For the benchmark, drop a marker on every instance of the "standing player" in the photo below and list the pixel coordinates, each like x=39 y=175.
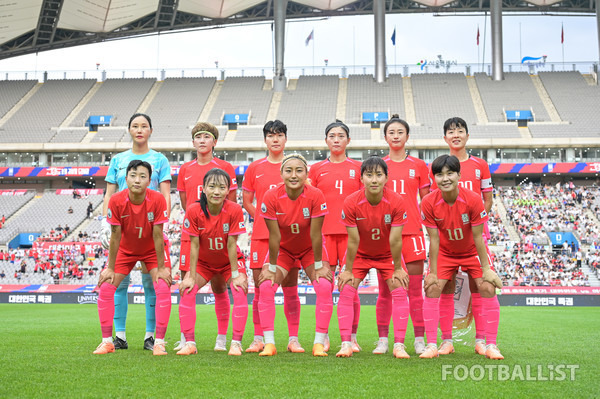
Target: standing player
x=454 y=218
x=374 y=218
x=140 y=130
x=262 y=175
x=189 y=186
x=213 y=225
x=294 y=212
x=408 y=177
x=337 y=177
x=475 y=176
x=136 y=215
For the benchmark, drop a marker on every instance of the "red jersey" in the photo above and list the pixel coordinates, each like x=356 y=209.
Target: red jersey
x=474 y=175
x=336 y=181
x=454 y=223
x=294 y=216
x=137 y=221
x=406 y=178
x=374 y=222
x=260 y=177
x=214 y=231
x=191 y=176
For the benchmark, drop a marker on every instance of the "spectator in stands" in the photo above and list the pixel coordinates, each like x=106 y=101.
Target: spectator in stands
x=70 y=210
x=90 y=210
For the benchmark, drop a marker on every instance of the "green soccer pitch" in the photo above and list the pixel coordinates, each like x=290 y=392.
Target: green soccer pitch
x=46 y=351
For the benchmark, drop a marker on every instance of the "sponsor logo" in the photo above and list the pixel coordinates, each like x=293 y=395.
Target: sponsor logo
x=258 y=176
x=125 y=216
x=87 y=299
x=357 y=219
x=323 y=174
x=188 y=177
x=280 y=213
x=209 y=300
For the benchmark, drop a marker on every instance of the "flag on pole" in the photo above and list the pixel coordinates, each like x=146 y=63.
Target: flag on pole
x=394 y=37
x=562 y=34
x=478 y=35
x=310 y=37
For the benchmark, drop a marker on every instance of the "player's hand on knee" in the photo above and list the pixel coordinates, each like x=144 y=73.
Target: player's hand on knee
x=266 y=275
x=402 y=278
x=165 y=275
x=240 y=282
x=431 y=281
x=106 y=276
x=325 y=273
x=344 y=278
x=186 y=284
x=491 y=277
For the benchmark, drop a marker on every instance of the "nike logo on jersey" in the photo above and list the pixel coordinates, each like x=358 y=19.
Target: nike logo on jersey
x=260 y=175
x=438 y=220
x=189 y=177
x=323 y=174
x=279 y=213
x=125 y=216
x=360 y=219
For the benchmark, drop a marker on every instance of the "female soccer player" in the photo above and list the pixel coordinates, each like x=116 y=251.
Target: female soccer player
x=294 y=213
x=136 y=216
x=140 y=130
x=475 y=176
x=189 y=186
x=454 y=218
x=337 y=177
x=213 y=225
x=374 y=218
x=408 y=177
x=262 y=175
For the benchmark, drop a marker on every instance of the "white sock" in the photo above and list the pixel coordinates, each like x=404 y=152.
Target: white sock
x=148 y=335
x=353 y=337
x=346 y=342
x=107 y=340
x=159 y=341
x=383 y=339
x=269 y=337
x=419 y=339
x=221 y=337
x=182 y=339
x=259 y=338
x=191 y=342
x=291 y=339
x=121 y=334
x=448 y=340
x=320 y=338
x=236 y=342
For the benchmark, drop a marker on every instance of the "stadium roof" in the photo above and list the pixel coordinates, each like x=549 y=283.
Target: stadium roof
x=30 y=26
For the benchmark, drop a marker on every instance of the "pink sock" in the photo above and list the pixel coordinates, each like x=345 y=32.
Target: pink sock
x=106 y=308
x=324 y=307
x=163 y=308
x=291 y=309
x=345 y=310
x=431 y=316
x=240 y=313
x=400 y=313
x=356 y=313
x=187 y=314
x=446 y=315
x=222 y=309
x=490 y=312
x=255 y=316
x=266 y=305
x=383 y=308
x=415 y=298
x=479 y=321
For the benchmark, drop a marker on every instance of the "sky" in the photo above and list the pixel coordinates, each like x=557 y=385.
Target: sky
x=343 y=41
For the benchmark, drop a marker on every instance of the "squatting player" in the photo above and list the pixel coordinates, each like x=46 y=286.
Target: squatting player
x=374 y=218
x=454 y=217
x=136 y=215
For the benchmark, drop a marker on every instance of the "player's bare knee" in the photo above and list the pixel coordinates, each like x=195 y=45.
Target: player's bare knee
x=487 y=290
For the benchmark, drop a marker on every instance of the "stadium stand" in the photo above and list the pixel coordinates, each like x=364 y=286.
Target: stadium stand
x=11 y=203
x=365 y=95
x=70 y=135
x=12 y=91
x=242 y=95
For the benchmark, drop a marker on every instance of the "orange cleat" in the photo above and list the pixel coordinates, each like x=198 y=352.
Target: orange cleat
x=159 y=349
x=446 y=348
x=355 y=346
x=319 y=350
x=400 y=351
x=492 y=352
x=104 y=348
x=480 y=347
x=269 y=350
x=235 y=349
x=430 y=352
x=295 y=347
x=188 y=349
x=346 y=350
x=326 y=345
x=256 y=346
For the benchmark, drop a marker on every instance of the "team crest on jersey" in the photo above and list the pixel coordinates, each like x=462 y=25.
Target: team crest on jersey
x=263 y=208
x=411 y=173
x=465 y=218
x=306 y=213
x=225 y=227
x=483 y=214
x=477 y=174
x=186 y=223
x=109 y=214
x=151 y=217
x=387 y=218
x=352 y=173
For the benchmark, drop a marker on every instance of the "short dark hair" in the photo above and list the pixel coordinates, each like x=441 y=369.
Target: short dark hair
x=139 y=114
x=136 y=163
x=395 y=119
x=275 y=126
x=450 y=161
x=337 y=123
x=371 y=164
x=455 y=122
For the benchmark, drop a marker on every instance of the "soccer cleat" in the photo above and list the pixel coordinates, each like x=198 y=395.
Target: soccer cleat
x=446 y=347
x=295 y=347
x=188 y=349
x=430 y=352
x=179 y=345
x=355 y=346
x=256 y=346
x=235 y=349
x=492 y=352
x=269 y=350
x=381 y=348
x=221 y=344
x=159 y=350
x=319 y=350
x=120 y=343
x=149 y=344
x=480 y=347
x=400 y=351
x=419 y=346
x=346 y=350
x=326 y=345
x=104 y=348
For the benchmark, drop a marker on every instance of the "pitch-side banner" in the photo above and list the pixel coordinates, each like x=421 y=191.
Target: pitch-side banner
x=67 y=246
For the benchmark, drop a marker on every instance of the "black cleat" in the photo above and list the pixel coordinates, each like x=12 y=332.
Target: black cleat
x=120 y=343
x=148 y=344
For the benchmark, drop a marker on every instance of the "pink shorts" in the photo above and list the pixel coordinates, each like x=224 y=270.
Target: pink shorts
x=336 y=245
x=413 y=248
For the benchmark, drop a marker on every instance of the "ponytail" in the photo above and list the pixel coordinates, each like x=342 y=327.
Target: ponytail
x=203 y=203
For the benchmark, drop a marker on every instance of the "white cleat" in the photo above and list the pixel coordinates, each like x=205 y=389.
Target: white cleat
x=221 y=345
x=419 y=346
x=381 y=348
